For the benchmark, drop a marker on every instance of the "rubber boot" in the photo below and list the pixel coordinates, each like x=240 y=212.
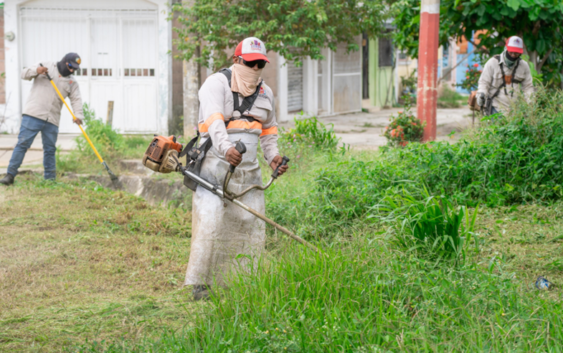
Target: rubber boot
x=201 y=292
x=7 y=180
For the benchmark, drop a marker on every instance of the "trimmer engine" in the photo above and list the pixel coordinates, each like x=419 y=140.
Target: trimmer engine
x=162 y=154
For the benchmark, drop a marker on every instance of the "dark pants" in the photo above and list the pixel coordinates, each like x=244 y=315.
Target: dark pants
x=29 y=129
x=493 y=111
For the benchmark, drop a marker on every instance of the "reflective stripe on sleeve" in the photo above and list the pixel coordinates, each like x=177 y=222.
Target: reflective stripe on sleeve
x=205 y=126
x=270 y=131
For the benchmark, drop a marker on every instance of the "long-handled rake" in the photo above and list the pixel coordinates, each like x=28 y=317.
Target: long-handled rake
x=112 y=176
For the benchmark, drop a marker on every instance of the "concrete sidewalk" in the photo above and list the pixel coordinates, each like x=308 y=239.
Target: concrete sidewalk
x=365 y=130
x=359 y=130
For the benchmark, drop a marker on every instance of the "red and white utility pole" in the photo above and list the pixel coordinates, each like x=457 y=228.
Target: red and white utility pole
x=427 y=93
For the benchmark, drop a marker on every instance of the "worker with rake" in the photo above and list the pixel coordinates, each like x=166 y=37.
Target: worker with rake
x=235 y=105
x=42 y=112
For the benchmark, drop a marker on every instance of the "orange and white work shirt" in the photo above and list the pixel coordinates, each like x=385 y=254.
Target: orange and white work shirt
x=216 y=106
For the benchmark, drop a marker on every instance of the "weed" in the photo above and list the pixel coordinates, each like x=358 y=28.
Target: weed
x=450 y=98
x=362 y=297
x=430 y=226
x=312 y=132
x=109 y=143
x=516 y=160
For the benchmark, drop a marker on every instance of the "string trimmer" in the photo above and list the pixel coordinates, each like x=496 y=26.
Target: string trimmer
x=162 y=156
x=112 y=176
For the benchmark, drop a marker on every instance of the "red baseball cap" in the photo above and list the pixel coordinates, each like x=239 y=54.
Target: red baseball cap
x=515 y=44
x=251 y=49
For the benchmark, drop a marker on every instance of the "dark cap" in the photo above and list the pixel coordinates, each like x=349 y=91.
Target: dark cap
x=73 y=60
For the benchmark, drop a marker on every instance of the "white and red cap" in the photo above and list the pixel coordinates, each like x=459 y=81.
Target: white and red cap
x=251 y=49
x=515 y=44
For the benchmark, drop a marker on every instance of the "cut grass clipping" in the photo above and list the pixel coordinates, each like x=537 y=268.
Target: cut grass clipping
x=81 y=262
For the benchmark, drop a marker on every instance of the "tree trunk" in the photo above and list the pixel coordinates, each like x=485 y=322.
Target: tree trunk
x=191 y=100
x=191 y=87
x=534 y=59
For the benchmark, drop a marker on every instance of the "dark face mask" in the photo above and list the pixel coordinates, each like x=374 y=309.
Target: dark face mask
x=63 y=69
x=510 y=57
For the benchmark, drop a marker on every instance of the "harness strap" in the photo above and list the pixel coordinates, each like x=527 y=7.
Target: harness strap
x=512 y=78
x=189 y=146
x=497 y=57
x=247 y=102
x=194 y=153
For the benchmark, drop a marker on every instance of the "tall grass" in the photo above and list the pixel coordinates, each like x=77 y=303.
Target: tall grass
x=311 y=132
x=364 y=297
x=430 y=226
x=449 y=98
x=112 y=146
x=517 y=159
x=368 y=294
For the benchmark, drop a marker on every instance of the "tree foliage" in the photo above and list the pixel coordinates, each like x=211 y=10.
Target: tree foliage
x=294 y=28
x=538 y=22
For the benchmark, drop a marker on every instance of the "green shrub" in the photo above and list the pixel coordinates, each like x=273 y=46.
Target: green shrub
x=312 y=132
x=405 y=127
x=102 y=135
x=518 y=159
x=450 y=98
x=472 y=75
x=430 y=226
x=110 y=144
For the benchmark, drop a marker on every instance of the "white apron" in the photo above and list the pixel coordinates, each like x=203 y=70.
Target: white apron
x=224 y=236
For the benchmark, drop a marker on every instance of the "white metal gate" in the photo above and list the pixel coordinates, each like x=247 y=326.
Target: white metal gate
x=346 y=80
x=294 y=88
x=119 y=59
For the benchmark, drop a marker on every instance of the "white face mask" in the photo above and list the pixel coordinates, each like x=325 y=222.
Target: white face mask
x=245 y=79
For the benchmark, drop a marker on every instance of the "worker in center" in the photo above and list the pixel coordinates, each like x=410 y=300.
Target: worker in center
x=235 y=104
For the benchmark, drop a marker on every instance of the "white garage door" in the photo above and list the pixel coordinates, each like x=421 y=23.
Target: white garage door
x=119 y=59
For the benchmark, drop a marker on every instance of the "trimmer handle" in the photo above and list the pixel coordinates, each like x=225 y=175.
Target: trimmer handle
x=284 y=162
x=241 y=148
x=46 y=73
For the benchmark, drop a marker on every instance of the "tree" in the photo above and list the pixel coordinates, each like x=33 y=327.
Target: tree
x=406 y=14
x=538 y=22
x=296 y=29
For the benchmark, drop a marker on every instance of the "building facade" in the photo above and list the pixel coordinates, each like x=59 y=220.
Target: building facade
x=128 y=71
x=124 y=46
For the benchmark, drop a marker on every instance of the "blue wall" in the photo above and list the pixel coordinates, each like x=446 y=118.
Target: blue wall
x=460 y=70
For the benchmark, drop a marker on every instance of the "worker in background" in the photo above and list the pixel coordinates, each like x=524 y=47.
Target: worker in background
x=502 y=78
x=225 y=237
x=42 y=112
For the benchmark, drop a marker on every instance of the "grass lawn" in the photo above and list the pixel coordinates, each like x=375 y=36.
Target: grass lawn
x=78 y=262
x=87 y=269
x=81 y=264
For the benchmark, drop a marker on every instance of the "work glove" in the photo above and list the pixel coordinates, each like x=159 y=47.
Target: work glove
x=480 y=99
